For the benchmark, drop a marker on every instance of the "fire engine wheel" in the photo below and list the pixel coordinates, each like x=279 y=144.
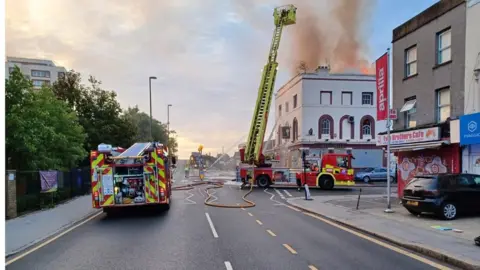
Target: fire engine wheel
x=263 y=181
x=326 y=182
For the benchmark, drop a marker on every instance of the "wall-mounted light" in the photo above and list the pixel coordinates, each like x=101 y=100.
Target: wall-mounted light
x=476 y=73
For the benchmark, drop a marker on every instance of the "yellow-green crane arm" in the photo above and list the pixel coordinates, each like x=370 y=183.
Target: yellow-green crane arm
x=282 y=16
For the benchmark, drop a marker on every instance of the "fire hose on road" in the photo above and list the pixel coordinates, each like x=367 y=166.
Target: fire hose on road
x=215 y=185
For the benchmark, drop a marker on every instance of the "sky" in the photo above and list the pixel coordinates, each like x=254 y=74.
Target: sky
x=207 y=55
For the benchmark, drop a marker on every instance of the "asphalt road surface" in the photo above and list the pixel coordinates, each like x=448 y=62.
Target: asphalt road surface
x=271 y=235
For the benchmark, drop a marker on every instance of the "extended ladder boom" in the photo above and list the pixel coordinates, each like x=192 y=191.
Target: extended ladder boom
x=283 y=16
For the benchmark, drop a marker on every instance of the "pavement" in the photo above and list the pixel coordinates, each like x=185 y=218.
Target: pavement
x=413 y=232
x=271 y=235
x=25 y=231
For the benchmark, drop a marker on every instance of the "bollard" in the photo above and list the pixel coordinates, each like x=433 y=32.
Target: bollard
x=307 y=193
x=358 y=200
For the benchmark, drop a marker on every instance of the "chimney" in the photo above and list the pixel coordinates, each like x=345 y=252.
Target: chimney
x=323 y=69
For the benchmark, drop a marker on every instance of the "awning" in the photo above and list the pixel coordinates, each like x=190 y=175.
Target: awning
x=408 y=105
x=417 y=146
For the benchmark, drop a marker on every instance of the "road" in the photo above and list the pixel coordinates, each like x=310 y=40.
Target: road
x=194 y=236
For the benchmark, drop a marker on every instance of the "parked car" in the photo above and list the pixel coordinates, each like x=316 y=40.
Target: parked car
x=445 y=195
x=375 y=174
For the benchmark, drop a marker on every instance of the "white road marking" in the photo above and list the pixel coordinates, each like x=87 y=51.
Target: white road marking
x=228 y=265
x=279 y=193
x=288 y=193
x=271 y=198
x=188 y=201
x=212 y=194
x=211 y=225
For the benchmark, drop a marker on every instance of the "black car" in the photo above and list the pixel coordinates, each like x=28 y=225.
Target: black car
x=446 y=195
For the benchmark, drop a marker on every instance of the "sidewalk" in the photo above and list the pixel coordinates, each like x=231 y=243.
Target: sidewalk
x=25 y=231
x=453 y=246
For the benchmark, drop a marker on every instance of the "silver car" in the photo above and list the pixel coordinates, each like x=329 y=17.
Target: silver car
x=376 y=174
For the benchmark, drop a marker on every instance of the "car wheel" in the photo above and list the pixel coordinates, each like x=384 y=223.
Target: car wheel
x=448 y=211
x=366 y=179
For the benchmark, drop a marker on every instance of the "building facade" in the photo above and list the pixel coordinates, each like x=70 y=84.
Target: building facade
x=470 y=134
x=324 y=110
x=41 y=72
x=428 y=61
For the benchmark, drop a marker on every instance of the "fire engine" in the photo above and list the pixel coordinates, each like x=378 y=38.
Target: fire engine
x=137 y=176
x=254 y=166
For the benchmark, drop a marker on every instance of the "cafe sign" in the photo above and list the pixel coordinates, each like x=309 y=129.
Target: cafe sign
x=411 y=136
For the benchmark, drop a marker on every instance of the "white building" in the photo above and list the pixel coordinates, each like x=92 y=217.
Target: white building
x=322 y=110
x=39 y=71
x=471 y=152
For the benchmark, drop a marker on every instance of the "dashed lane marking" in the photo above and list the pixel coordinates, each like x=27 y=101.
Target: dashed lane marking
x=271 y=233
x=52 y=239
x=243 y=209
x=228 y=265
x=290 y=248
x=250 y=214
x=311 y=267
x=288 y=193
x=380 y=243
x=259 y=222
x=211 y=225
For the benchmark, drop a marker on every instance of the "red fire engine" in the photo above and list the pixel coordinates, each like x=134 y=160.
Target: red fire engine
x=138 y=176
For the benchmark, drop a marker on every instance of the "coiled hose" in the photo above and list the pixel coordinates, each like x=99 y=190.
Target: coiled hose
x=220 y=185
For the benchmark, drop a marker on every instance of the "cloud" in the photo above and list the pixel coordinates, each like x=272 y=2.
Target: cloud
x=207 y=55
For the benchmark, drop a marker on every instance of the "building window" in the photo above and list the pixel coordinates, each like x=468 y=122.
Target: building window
x=367 y=127
x=346 y=98
x=295 y=129
x=326 y=97
x=286 y=107
x=41 y=73
x=61 y=74
x=295 y=101
x=325 y=127
x=409 y=109
x=443 y=105
x=279 y=110
x=38 y=83
x=367 y=98
x=444 y=53
x=411 y=61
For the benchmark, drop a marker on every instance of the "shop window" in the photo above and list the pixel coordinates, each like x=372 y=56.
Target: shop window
x=443 y=105
x=409 y=109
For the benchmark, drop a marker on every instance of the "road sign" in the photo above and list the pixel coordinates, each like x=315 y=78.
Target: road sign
x=393 y=114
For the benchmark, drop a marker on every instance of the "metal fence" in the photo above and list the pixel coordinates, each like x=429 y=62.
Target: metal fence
x=71 y=183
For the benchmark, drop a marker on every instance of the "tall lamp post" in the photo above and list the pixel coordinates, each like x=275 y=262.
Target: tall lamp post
x=150 y=92
x=168 y=126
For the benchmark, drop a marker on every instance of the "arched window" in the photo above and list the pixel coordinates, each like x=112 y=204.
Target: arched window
x=326 y=127
x=367 y=127
x=295 y=130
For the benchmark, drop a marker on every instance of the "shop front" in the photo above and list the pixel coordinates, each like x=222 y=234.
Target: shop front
x=470 y=142
x=422 y=151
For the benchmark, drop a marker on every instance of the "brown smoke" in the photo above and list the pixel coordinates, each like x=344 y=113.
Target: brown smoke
x=330 y=35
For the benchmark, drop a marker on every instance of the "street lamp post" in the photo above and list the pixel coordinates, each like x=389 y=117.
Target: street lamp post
x=168 y=126
x=150 y=92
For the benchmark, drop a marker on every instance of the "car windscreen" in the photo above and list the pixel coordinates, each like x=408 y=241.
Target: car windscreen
x=422 y=182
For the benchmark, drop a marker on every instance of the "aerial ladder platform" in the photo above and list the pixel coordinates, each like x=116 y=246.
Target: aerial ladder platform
x=283 y=16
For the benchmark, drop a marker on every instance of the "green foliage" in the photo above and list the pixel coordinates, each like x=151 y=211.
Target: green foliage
x=98 y=111
x=42 y=132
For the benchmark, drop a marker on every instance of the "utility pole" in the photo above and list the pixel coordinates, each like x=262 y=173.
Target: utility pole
x=150 y=94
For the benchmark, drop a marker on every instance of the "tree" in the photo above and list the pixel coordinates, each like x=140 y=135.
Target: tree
x=98 y=111
x=42 y=131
